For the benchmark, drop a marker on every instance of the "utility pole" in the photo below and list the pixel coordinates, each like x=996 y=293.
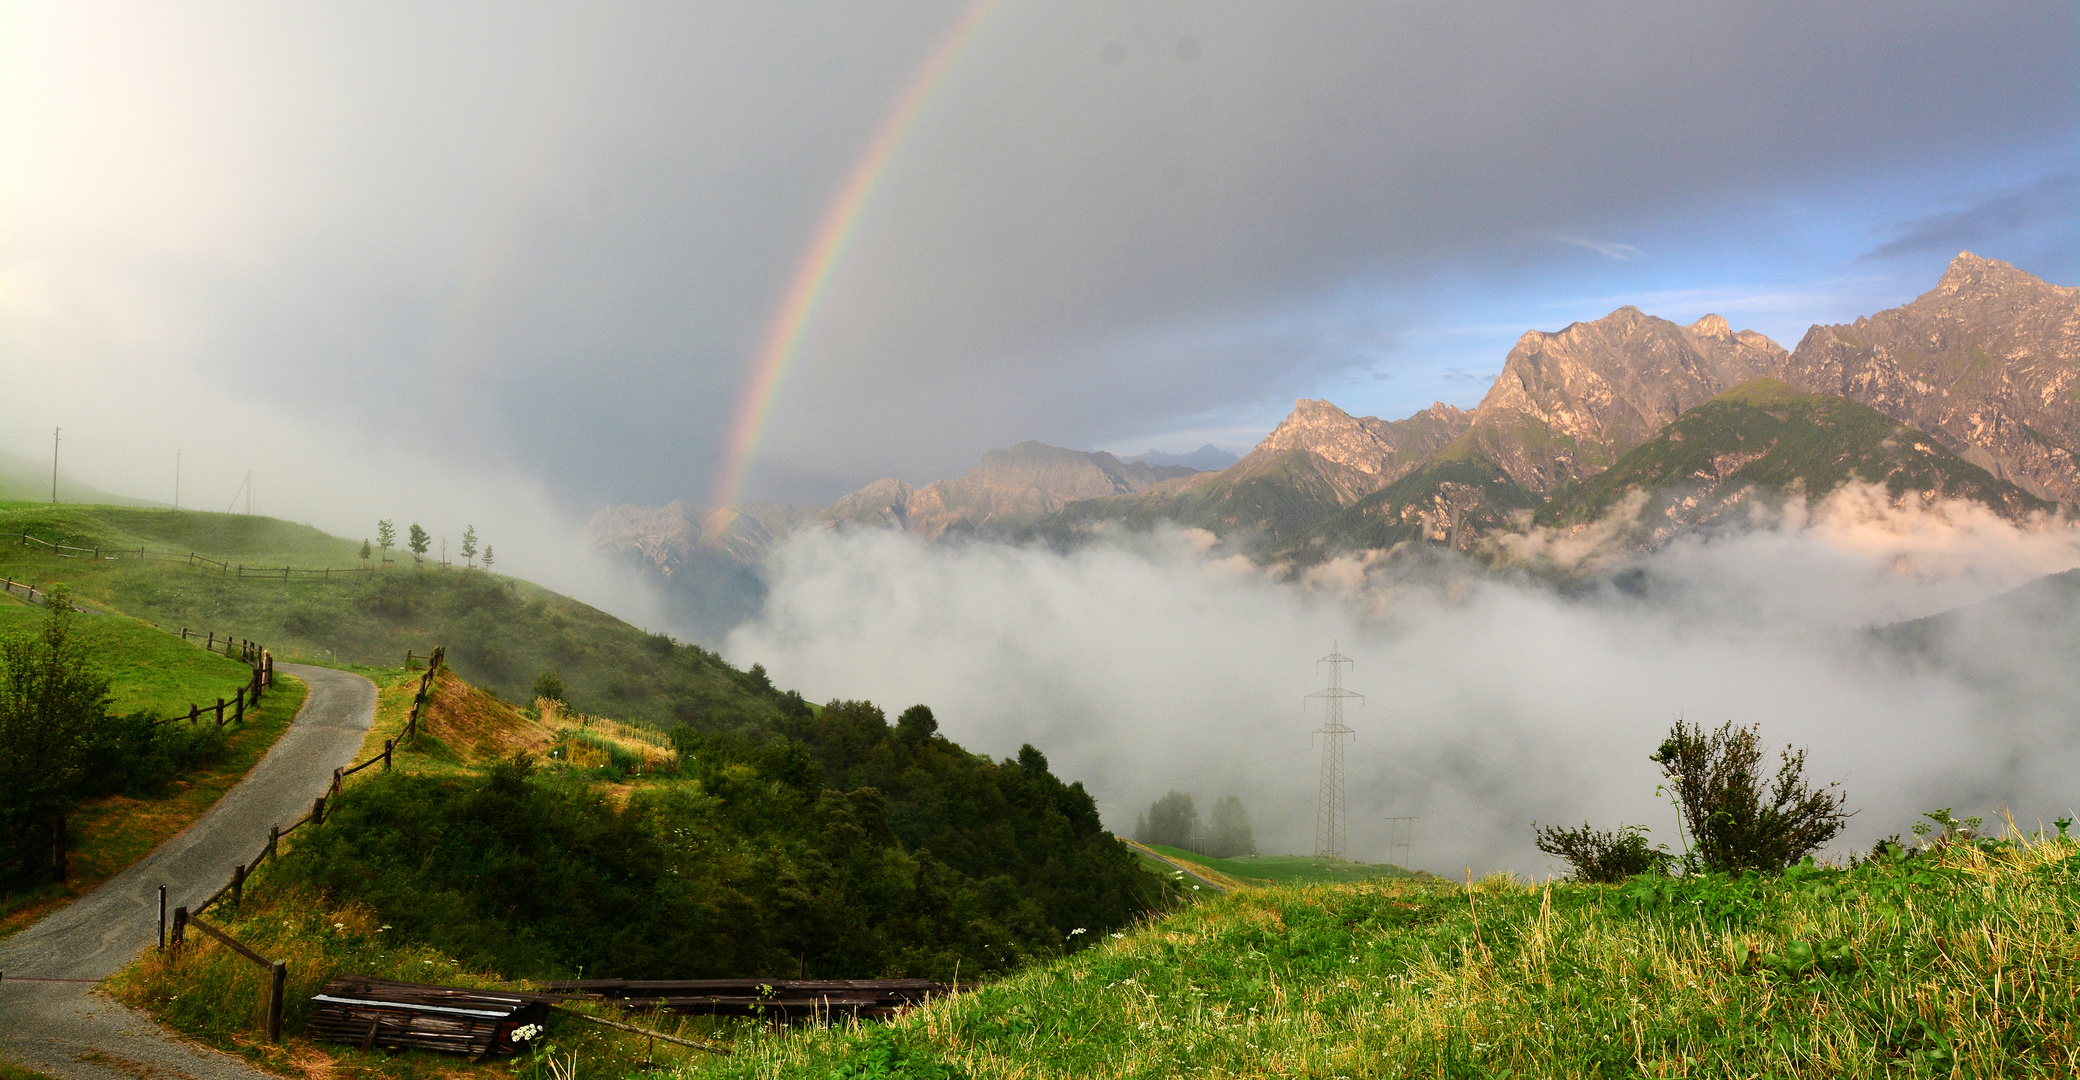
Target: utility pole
x=1401 y=834
x=54 y=465
x=1329 y=833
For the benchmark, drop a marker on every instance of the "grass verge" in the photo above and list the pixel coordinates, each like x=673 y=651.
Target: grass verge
x=1959 y=962
x=1288 y=869
x=108 y=834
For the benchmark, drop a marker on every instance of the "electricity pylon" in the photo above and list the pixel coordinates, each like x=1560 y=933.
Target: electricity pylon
x=1329 y=834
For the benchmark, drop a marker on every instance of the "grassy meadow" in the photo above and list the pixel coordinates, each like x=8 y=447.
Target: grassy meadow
x=1287 y=869
x=149 y=671
x=500 y=632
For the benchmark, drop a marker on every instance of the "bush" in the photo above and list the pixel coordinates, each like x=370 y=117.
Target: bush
x=1604 y=857
x=548 y=685
x=1738 y=820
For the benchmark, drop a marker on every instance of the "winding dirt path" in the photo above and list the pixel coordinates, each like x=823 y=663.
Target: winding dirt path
x=53 y=1021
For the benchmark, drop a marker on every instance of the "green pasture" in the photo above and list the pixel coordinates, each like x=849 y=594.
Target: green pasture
x=1288 y=869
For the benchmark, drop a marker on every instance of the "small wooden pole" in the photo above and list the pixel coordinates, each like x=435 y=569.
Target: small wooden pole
x=162 y=918
x=238 y=884
x=180 y=930
x=278 y=979
x=386 y=755
x=274 y=836
x=220 y=712
x=212 y=644
x=318 y=811
x=238 y=703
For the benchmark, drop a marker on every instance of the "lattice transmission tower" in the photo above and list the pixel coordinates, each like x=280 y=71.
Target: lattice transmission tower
x=1329 y=832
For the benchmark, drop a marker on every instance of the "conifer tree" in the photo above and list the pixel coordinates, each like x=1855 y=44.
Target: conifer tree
x=1228 y=832
x=386 y=534
x=366 y=551
x=487 y=556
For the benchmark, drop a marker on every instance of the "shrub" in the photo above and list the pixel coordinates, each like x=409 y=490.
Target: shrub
x=1739 y=819
x=1599 y=856
x=548 y=685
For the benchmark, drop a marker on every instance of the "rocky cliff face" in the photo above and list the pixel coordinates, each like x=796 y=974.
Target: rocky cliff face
x=1988 y=362
x=1568 y=404
x=1363 y=453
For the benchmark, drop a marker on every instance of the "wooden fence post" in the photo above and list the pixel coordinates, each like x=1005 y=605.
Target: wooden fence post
x=278 y=978
x=211 y=645
x=162 y=918
x=318 y=811
x=220 y=712
x=274 y=836
x=238 y=712
x=386 y=755
x=194 y=714
x=238 y=884
x=180 y=930
x=338 y=781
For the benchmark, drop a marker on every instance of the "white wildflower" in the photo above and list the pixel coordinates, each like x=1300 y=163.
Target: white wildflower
x=526 y=1031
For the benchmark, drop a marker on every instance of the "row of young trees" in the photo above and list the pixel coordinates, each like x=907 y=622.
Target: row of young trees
x=1734 y=815
x=418 y=540
x=1173 y=821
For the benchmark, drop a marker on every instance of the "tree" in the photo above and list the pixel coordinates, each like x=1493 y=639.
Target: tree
x=469 y=545
x=487 y=556
x=916 y=726
x=386 y=534
x=1737 y=817
x=418 y=542
x=366 y=551
x=1228 y=833
x=1603 y=857
x=1174 y=822
x=549 y=685
x=51 y=703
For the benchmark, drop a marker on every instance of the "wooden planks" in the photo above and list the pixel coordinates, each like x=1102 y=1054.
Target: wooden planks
x=775 y=998
x=375 y=1013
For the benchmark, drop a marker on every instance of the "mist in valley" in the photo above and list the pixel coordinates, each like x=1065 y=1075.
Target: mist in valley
x=1493 y=698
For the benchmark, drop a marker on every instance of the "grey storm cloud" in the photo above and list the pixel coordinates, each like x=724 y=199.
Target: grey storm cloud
x=548 y=239
x=2051 y=200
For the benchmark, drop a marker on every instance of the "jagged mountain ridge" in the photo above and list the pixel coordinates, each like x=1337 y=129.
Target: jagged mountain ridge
x=1007 y=489
x=1988 y=362
x=1764 y=440
x=1568 y=403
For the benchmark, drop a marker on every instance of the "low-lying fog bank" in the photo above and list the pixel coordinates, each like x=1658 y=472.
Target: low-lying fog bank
x=1145 y=662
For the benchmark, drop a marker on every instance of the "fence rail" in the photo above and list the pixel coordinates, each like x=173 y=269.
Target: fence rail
x=235 y=887
x=235 y=571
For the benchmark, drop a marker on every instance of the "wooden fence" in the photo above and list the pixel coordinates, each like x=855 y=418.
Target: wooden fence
x=234 y=571
x=262 y=679
x=235 y=887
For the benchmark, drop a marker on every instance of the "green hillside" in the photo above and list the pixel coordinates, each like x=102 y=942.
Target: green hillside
x=29 y=481
x=1453 y=499
x=1289 y=869
x=500 y=632
x=1953 y=962
x=1271 y=500
x=1764 y=437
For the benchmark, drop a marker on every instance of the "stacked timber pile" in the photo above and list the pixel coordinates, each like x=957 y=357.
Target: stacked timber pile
x=377 y=1013
x=776 y=999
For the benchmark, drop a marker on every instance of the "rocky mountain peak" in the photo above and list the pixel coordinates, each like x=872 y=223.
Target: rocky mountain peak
x=1712 y=326
x=1363 y=444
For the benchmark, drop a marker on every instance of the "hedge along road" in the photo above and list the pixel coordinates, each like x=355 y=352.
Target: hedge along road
x=51 y=1021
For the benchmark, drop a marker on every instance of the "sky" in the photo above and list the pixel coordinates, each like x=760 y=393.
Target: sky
x=512 y=262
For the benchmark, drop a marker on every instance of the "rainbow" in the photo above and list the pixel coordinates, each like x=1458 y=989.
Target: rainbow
x=814 y=271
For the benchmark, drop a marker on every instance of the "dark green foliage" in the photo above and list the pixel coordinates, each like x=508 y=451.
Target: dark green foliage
x=548 y=685
x=59 y=743
x=1013 y=827
x=1173 y=822
x=51 y=702
x=1599 y=856
x=1229 y=834
x=756 y=869
x=418 y=539
x=1740 y=819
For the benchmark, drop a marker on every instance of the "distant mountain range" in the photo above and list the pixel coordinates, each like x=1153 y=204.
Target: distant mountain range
x=1970 y=391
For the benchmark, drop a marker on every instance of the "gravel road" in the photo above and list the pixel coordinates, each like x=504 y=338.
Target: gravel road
x=53 y=1021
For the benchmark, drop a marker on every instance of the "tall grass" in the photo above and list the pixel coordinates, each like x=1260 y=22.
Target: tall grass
x=1960 y=962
